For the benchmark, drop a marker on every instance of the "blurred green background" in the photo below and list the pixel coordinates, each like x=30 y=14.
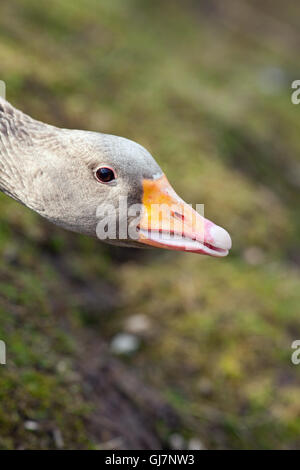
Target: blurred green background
x=206 y=87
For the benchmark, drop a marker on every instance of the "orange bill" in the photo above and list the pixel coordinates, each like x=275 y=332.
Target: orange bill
x=168 y=222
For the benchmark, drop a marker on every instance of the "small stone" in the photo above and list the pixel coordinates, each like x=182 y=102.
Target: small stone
x=176 y=441
x=124 y=343
x=31 y=425
x=195 y=444
x=58 y=439
x=62 y=367
x=137 y=324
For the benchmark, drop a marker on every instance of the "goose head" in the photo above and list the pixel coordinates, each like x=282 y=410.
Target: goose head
x=99 y=185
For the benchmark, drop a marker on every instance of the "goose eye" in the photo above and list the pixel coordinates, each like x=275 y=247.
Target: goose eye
x=105 y=174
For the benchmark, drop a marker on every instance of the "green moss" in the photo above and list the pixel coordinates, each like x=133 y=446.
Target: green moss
x=174 y=78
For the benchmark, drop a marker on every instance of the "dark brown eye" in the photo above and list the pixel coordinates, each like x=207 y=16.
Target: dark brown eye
x=105 y=174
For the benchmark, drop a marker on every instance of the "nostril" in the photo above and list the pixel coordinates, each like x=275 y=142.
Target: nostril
x=177 y=215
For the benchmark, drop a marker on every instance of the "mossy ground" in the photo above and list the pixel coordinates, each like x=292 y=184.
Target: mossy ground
x=207 y=90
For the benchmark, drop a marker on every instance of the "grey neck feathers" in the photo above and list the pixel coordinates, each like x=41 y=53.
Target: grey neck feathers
x=22 y=140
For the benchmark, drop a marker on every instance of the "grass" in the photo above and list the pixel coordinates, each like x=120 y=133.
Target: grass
x=208 y=92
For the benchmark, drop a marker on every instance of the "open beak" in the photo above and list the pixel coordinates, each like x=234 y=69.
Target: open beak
x=168 y=222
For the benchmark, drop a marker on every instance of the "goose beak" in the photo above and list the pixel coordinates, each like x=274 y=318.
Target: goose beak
x=168 y=222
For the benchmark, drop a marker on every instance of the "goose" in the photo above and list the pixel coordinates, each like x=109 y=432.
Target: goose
x=76 y=180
